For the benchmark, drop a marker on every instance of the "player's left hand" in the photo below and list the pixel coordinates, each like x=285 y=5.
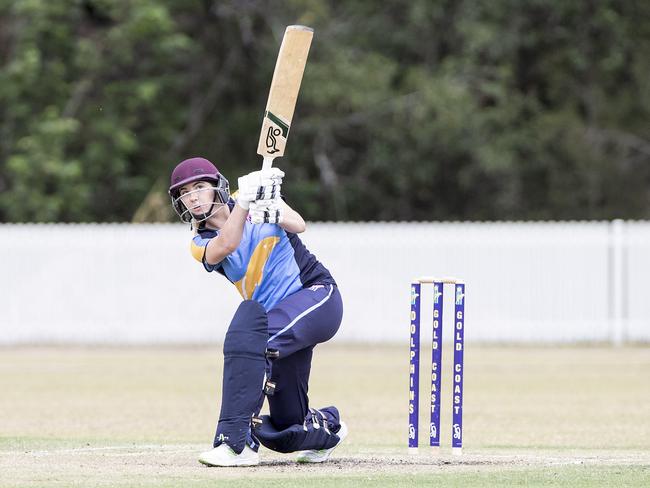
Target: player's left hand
x=265 y=211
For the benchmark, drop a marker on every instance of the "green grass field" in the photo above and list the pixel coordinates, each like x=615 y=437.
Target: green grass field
x=533 y=416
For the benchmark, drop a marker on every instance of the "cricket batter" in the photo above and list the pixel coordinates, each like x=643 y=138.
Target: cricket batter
x=291 y=303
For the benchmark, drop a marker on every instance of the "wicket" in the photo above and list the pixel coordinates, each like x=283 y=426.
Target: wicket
x=436 y=363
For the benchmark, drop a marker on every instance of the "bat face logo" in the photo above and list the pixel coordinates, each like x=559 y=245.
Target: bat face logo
x=271 y=140
x=275 y=132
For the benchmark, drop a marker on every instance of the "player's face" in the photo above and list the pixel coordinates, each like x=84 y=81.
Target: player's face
x=198 y=197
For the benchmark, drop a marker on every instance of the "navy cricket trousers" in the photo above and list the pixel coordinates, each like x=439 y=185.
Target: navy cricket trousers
x=296 y=324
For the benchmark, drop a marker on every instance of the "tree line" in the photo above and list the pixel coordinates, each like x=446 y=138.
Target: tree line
x=409 y=110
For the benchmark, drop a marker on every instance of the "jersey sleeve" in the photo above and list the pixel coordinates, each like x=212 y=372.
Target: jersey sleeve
x=197 y=248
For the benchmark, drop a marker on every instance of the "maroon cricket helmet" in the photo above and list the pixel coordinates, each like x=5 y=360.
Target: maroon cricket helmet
x=196 y=169
x=191 y=170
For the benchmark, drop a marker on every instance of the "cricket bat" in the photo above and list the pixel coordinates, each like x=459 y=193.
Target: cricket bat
x=285 y=86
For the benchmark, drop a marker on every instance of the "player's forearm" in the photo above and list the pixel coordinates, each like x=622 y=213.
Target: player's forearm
x=229 y=236
x=293 y=225
x=292 y=221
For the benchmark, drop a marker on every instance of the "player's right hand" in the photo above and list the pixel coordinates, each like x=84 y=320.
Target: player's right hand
x=265 y=212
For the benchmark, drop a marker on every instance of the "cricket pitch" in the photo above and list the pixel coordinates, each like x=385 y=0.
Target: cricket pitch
x=139 y=416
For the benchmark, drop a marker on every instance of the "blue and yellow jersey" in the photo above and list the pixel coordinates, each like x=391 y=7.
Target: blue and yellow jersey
x=269 y=264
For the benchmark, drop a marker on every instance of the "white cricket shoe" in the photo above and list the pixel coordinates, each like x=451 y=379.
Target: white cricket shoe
x=322 y=455
x=223 y=455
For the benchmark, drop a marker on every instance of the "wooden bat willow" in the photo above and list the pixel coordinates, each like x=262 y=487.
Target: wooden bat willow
x=285 y=86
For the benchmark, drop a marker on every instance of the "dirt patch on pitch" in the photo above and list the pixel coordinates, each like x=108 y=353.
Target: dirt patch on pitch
x=423 y=463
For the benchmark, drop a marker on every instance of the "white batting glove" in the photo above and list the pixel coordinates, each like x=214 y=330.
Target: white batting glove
x=247 y=188
x=273 y=175
x=265 y=212
x=260 y=185
x=265 y=192
x=270 y=184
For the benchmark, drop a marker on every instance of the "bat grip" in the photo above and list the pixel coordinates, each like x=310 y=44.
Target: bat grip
x=267 y=163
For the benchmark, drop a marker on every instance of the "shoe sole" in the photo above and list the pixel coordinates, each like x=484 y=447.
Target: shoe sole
x=306 y=460
x=230 y=465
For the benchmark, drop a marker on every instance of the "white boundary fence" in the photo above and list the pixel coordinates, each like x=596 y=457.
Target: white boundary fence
x=526 y=282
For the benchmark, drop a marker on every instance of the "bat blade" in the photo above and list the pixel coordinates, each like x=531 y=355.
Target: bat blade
x=283 y=94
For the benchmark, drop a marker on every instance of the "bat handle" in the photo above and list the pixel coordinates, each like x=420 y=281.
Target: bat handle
x=267 y=163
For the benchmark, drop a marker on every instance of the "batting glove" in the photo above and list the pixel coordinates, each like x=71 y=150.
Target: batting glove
x=260 y=185
x=265 y=212
x=273 y=175
x=247 y=189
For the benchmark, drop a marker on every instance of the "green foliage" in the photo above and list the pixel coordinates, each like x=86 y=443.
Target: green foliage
x=419 y=110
